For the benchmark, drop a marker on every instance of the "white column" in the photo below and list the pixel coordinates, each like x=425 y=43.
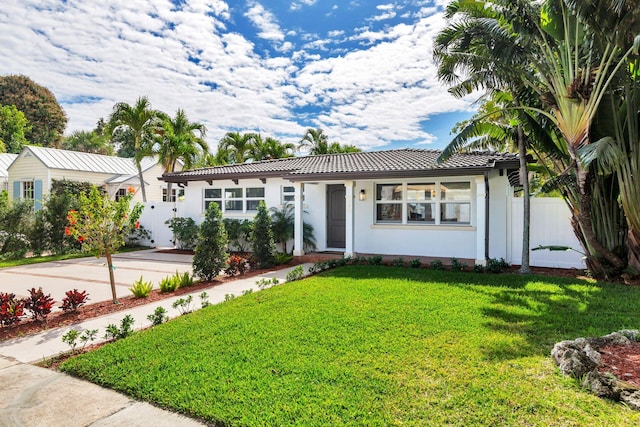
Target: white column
x=349 y=218
x=480 y=220
x=298 y=247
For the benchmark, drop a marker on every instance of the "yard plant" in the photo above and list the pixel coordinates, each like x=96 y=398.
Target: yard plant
x=376 y=346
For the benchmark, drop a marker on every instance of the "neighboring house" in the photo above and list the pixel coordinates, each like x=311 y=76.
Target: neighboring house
x=396 y=202
x=5 y=160
x=31 y=173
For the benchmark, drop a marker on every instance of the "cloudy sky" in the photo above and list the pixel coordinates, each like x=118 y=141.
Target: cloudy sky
x=361 y=70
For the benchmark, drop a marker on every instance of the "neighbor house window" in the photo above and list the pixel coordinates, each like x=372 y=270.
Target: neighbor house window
x=423 y=203
x=288 y=194
x=28 y=190
x=122 y=192
x=235 y=200
x=175 y=194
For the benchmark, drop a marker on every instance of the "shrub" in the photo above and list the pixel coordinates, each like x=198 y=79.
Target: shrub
x=71 y=338
x=229 y=297
x=415 y=263
x=283 y=258
x=183 y=305
x=114 y=332
x=16 y=218
x=169 y=284
x=295 y=274
x=478 y=268
x=375 y=260
x=496 y=265
x=261 y=238
x=73 y=300
x=159 y=316
x=265 y=283
x=38 y=304
x=436 y=264
x=184 y=279
x=457 y=265
x=141 y=289
x=236 y=265
x=204 y=299
x=11 y=309
x=185 y=231
x=211 y=250
x=137 y=235
x=238 y=231
x=398 y=262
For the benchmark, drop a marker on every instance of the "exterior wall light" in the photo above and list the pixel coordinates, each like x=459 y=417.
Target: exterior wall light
x=363 y=195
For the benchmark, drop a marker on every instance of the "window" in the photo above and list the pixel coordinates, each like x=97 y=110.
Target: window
x=122 y=192
x=28 y=190
x=174 y=195
x=234 y=200
x=424 y=203
x=288 y=194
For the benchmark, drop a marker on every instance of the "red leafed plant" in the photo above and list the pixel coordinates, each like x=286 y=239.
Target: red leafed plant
x=74 y=300
x=38 y=304
x=236 y=264
x=11 y=309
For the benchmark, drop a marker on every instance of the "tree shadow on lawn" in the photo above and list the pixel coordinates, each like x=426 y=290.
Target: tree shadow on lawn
x=529 y=313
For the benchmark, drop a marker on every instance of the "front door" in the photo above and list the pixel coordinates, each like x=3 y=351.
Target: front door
x=336 y=216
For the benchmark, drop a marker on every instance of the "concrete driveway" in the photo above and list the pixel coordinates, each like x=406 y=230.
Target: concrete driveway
x=92 y=275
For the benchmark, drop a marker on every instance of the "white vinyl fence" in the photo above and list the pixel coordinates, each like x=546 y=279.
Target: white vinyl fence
x=153 y=218
x=550 y=225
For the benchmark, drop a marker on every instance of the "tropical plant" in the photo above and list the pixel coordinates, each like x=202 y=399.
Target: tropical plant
x=11 y=309
x=88 y=142
x=169 y=284
x=238 y=231
x=211 y=249
x=180 y=140
x=142 y=124
x=141 y=288
x=183 y=305
x=185 y=231
x=158 y=316
x=102 y=224
x=269 y=148
x=315 y=142
x=282 y=222
x=236 y=147
x=38 y=304
x=113 y=332
x=73 y=300
x=262 y=243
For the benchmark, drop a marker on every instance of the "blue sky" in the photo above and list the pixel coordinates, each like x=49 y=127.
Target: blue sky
x=360 y=70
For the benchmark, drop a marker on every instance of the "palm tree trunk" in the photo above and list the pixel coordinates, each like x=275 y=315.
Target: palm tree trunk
x=169 y=188
x=633 y=248
x=112 y=279
x=526 y=220
x=144 y=192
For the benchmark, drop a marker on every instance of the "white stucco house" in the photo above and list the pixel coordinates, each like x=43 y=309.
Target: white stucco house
x=397 y=202
x=31 y=173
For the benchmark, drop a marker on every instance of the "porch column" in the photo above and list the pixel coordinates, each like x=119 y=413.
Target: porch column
x=349 y=218
x=481 y=230
x=298 y=247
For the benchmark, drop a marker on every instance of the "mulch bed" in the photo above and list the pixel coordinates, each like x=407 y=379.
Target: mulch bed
x=623 y=361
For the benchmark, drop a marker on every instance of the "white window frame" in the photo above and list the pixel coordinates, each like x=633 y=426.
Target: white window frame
x=120 y=192
x=287 y=194
x=435 y=200
x=227 y=195
x=30 y=187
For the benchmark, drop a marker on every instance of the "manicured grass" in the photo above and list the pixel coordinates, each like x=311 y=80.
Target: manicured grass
x=376 y=346
x=48 y=258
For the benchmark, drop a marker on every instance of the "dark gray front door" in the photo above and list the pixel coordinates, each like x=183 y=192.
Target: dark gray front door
x=336 y=206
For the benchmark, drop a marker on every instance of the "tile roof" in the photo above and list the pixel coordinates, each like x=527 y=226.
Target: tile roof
x=5 y=160
x=371 y=164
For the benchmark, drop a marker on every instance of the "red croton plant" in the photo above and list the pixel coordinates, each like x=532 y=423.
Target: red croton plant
x=102 y=224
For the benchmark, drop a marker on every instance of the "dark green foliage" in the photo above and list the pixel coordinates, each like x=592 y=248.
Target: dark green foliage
x=457 y=265
x=375 y=260
x=185 y=231
x=295 y=274
x=496 y=266
x=211 y=249
x=436 y=264
x=398 y=262
x=415 y=263
x=282 y=224
x=38 y=304
x=283 y=258
x=158 y=317
x=262 y=243
x=40 y=107
x=113 y=332
x=478 y=268
x=183 y=305
x=16 y=219
x=238 y=231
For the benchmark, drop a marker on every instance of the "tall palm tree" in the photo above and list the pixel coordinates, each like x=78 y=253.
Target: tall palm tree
x=181 y=140
x=270 y=148
x=315 y=141
x=237 y=146
x=142 y=123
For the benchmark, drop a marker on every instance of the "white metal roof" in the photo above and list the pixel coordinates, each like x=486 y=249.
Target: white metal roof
x=5 y=160
x=84 y=162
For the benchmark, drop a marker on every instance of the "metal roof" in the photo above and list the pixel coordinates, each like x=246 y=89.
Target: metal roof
x=5 y=160
x=363 y=165
x=121 y=167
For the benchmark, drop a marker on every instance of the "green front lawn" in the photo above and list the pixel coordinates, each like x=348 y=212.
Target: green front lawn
x=376 y=346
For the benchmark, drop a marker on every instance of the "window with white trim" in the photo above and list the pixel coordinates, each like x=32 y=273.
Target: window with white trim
x=288 y=194
x=438 y=203
x=234 y=200
x=28 y=190
x=122 y=192
x=174 y=194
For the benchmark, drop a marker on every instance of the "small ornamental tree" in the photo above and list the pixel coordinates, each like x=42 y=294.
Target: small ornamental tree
x=211 y=248
x=262 y=242
x=102 y=224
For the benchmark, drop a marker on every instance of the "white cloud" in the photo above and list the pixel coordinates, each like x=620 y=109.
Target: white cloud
x=265 y=21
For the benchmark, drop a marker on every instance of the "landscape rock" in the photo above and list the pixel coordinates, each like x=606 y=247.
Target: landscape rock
x=602 y=385
x=631 y=399
x=575 y=358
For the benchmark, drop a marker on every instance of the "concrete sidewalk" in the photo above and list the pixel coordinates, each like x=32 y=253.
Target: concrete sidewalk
x=35 y=396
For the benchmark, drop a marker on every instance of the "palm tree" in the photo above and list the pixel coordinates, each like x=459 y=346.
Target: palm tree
x=316 y=142
x=142 y=123
x=490 y=59
x=237 y=146
x=181 y=140
x=270 y=148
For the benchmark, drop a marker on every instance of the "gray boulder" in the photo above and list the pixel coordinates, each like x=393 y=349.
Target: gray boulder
x=575 y=358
